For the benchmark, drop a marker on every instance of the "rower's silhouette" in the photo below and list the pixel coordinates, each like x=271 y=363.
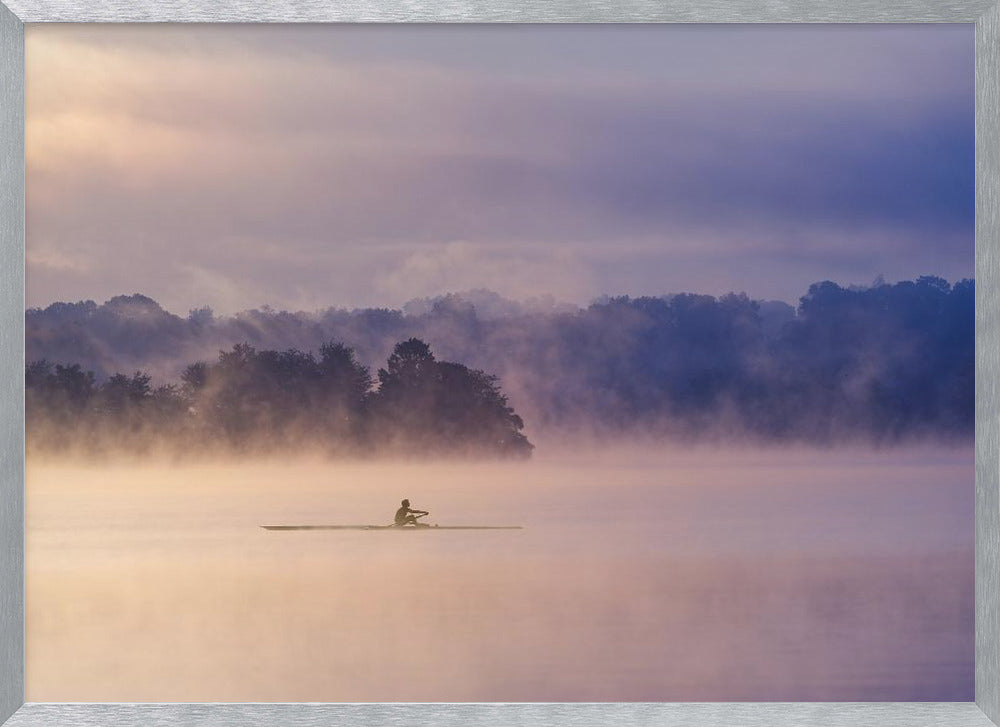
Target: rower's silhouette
x=406 y=516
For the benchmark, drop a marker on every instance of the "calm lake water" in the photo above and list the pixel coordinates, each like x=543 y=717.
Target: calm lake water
x=640 y=575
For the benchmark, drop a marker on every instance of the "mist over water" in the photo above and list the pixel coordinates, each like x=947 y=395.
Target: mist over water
x=642 y=573
x=365 y=264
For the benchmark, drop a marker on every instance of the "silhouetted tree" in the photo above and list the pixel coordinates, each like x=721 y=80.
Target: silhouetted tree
x=280 y=398
x=882 y=363
x=425 y=404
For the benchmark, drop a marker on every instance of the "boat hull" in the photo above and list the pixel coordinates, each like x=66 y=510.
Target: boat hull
x=397 y=528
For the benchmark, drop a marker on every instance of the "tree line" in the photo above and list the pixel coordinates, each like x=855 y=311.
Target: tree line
x=278 y=401
x=882 y=364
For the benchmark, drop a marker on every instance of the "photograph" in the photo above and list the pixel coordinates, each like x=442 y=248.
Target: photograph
x=499 y=363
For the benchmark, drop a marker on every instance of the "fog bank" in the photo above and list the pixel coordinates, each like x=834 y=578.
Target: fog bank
x=881 y=364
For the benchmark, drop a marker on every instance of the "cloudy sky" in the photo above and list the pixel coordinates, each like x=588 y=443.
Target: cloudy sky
x=310 y=166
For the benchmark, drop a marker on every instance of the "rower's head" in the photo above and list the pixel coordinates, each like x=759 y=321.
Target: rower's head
x=405 y=503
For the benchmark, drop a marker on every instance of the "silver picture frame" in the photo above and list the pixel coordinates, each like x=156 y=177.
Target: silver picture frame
x=985 y=14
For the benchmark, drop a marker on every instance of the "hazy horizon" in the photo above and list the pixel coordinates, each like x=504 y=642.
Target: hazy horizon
x=505 y=305
x=475 y=296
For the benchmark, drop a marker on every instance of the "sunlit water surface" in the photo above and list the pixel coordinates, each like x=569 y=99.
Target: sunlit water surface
x=639 y=575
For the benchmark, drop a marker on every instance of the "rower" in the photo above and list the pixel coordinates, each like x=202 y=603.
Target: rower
x=406 y=516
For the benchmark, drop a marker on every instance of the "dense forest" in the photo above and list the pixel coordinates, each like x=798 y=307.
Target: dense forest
x=278 y=401
x=882 y=364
